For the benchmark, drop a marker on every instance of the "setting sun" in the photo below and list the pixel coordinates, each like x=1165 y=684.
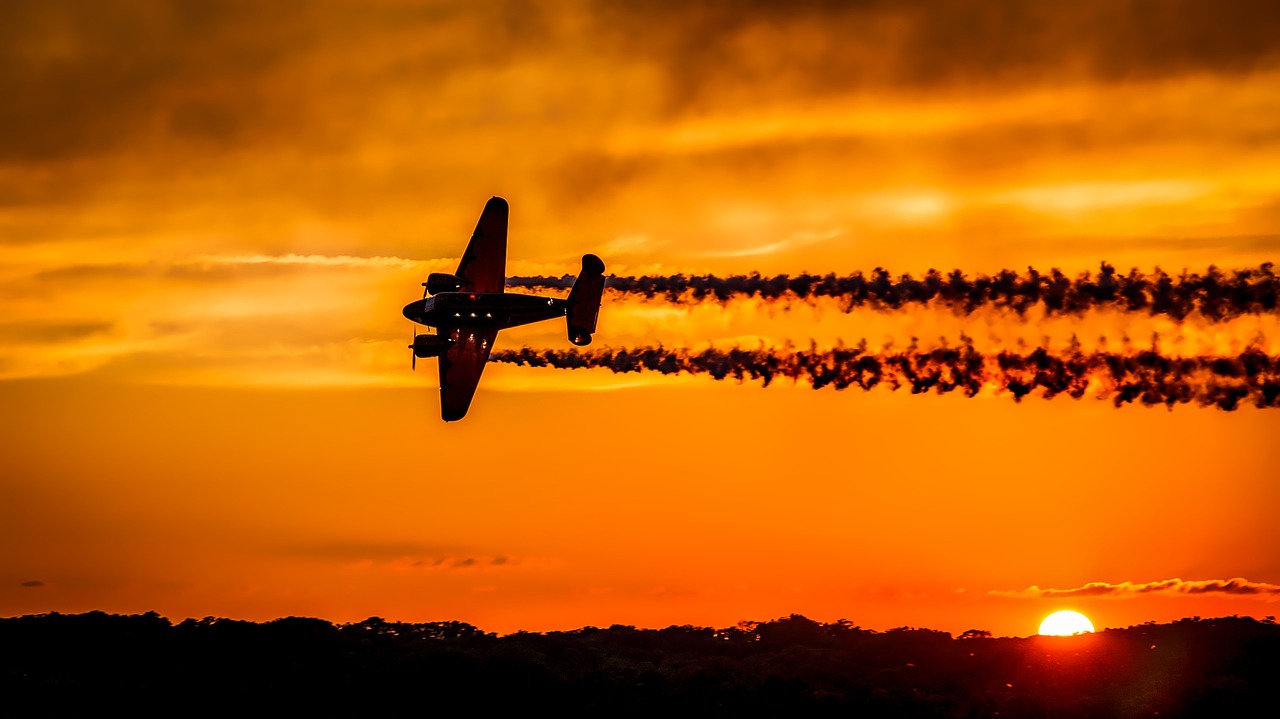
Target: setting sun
x=1065 y=623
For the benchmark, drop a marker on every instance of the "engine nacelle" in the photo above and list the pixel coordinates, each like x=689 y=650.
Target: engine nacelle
x=438 y=282
x=430 y=346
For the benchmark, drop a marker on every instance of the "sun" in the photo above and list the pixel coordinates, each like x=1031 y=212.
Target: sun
x=1065 y=623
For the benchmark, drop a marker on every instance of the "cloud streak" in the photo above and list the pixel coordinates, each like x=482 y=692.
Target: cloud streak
x=309 y=260
x=1144 y=377
x=1216 y=295
x=49 y=332
x=1237 y=586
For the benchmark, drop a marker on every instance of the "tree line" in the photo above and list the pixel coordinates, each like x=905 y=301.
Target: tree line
x=785 y=667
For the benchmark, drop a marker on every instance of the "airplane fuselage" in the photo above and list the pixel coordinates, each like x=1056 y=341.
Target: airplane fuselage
x=500 y=310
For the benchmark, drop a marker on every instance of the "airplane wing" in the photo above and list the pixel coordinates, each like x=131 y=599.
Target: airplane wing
x=484 y=264
x=461 y=366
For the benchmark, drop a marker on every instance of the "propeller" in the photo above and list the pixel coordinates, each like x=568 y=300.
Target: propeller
x=413 y=355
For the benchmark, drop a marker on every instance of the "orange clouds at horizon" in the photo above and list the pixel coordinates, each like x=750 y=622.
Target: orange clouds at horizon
x=211 y=215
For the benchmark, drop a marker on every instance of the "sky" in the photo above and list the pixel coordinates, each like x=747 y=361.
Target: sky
x=211 y=214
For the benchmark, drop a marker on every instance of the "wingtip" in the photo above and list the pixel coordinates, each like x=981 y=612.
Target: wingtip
x=496 y=201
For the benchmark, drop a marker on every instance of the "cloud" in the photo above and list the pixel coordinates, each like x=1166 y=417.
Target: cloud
x=795 y=241
x=400 y=555
x=33 y=584
x=352 y=551
x=1237 y=586
x=630 y=245
x=449 y=563
x=187 y=122
x=142 y=67
x=216 y=76
x=310 y=260
x=232 y=266
x=816 y=47
x=49 y=332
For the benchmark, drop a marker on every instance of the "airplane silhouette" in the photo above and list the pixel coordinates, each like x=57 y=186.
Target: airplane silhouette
x=468 y=309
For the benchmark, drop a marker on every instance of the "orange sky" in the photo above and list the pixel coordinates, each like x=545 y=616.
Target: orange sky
x=211 y=215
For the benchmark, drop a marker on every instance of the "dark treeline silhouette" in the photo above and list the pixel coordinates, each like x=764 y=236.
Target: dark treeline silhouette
x=1147 y=376
x=793 y=666
x=1216 y=295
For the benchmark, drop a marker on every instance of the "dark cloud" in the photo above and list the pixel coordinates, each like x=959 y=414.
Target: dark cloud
x=41 y=332
x=1216 y=295
x=82 y=79
x=89 y=272
x=765 y=49
x=590 y=177
x=444 y=562
x=1237 y=586
x=982 y=149
x=448 y=562
x=85 y=78
x=1144 y=377
x=423 y=562
x=595 y=176
x=33 y=584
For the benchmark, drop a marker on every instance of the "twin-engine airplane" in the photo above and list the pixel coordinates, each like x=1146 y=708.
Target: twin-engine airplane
x=469 y=307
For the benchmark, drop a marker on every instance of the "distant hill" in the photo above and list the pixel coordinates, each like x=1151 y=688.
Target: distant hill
x=792 y=666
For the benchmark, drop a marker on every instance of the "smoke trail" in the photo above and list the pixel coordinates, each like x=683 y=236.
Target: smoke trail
x=1216 y=295
x=1147 y=377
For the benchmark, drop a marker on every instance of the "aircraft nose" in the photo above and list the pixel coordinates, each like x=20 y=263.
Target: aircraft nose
x=411 y=310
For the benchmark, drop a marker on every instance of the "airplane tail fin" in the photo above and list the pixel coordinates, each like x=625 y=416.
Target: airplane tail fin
x=584 y=300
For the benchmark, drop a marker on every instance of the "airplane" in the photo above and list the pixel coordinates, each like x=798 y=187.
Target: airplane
x=469 y=307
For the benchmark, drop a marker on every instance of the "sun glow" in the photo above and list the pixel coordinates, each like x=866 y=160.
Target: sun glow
x=1065 y=623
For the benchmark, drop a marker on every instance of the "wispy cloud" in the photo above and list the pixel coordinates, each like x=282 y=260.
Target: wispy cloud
x=49 y=331
x=450 y=563
x=1236 y=586
x=795 y=241
x=400 y=555
x=315 y=260
x=631 y=245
